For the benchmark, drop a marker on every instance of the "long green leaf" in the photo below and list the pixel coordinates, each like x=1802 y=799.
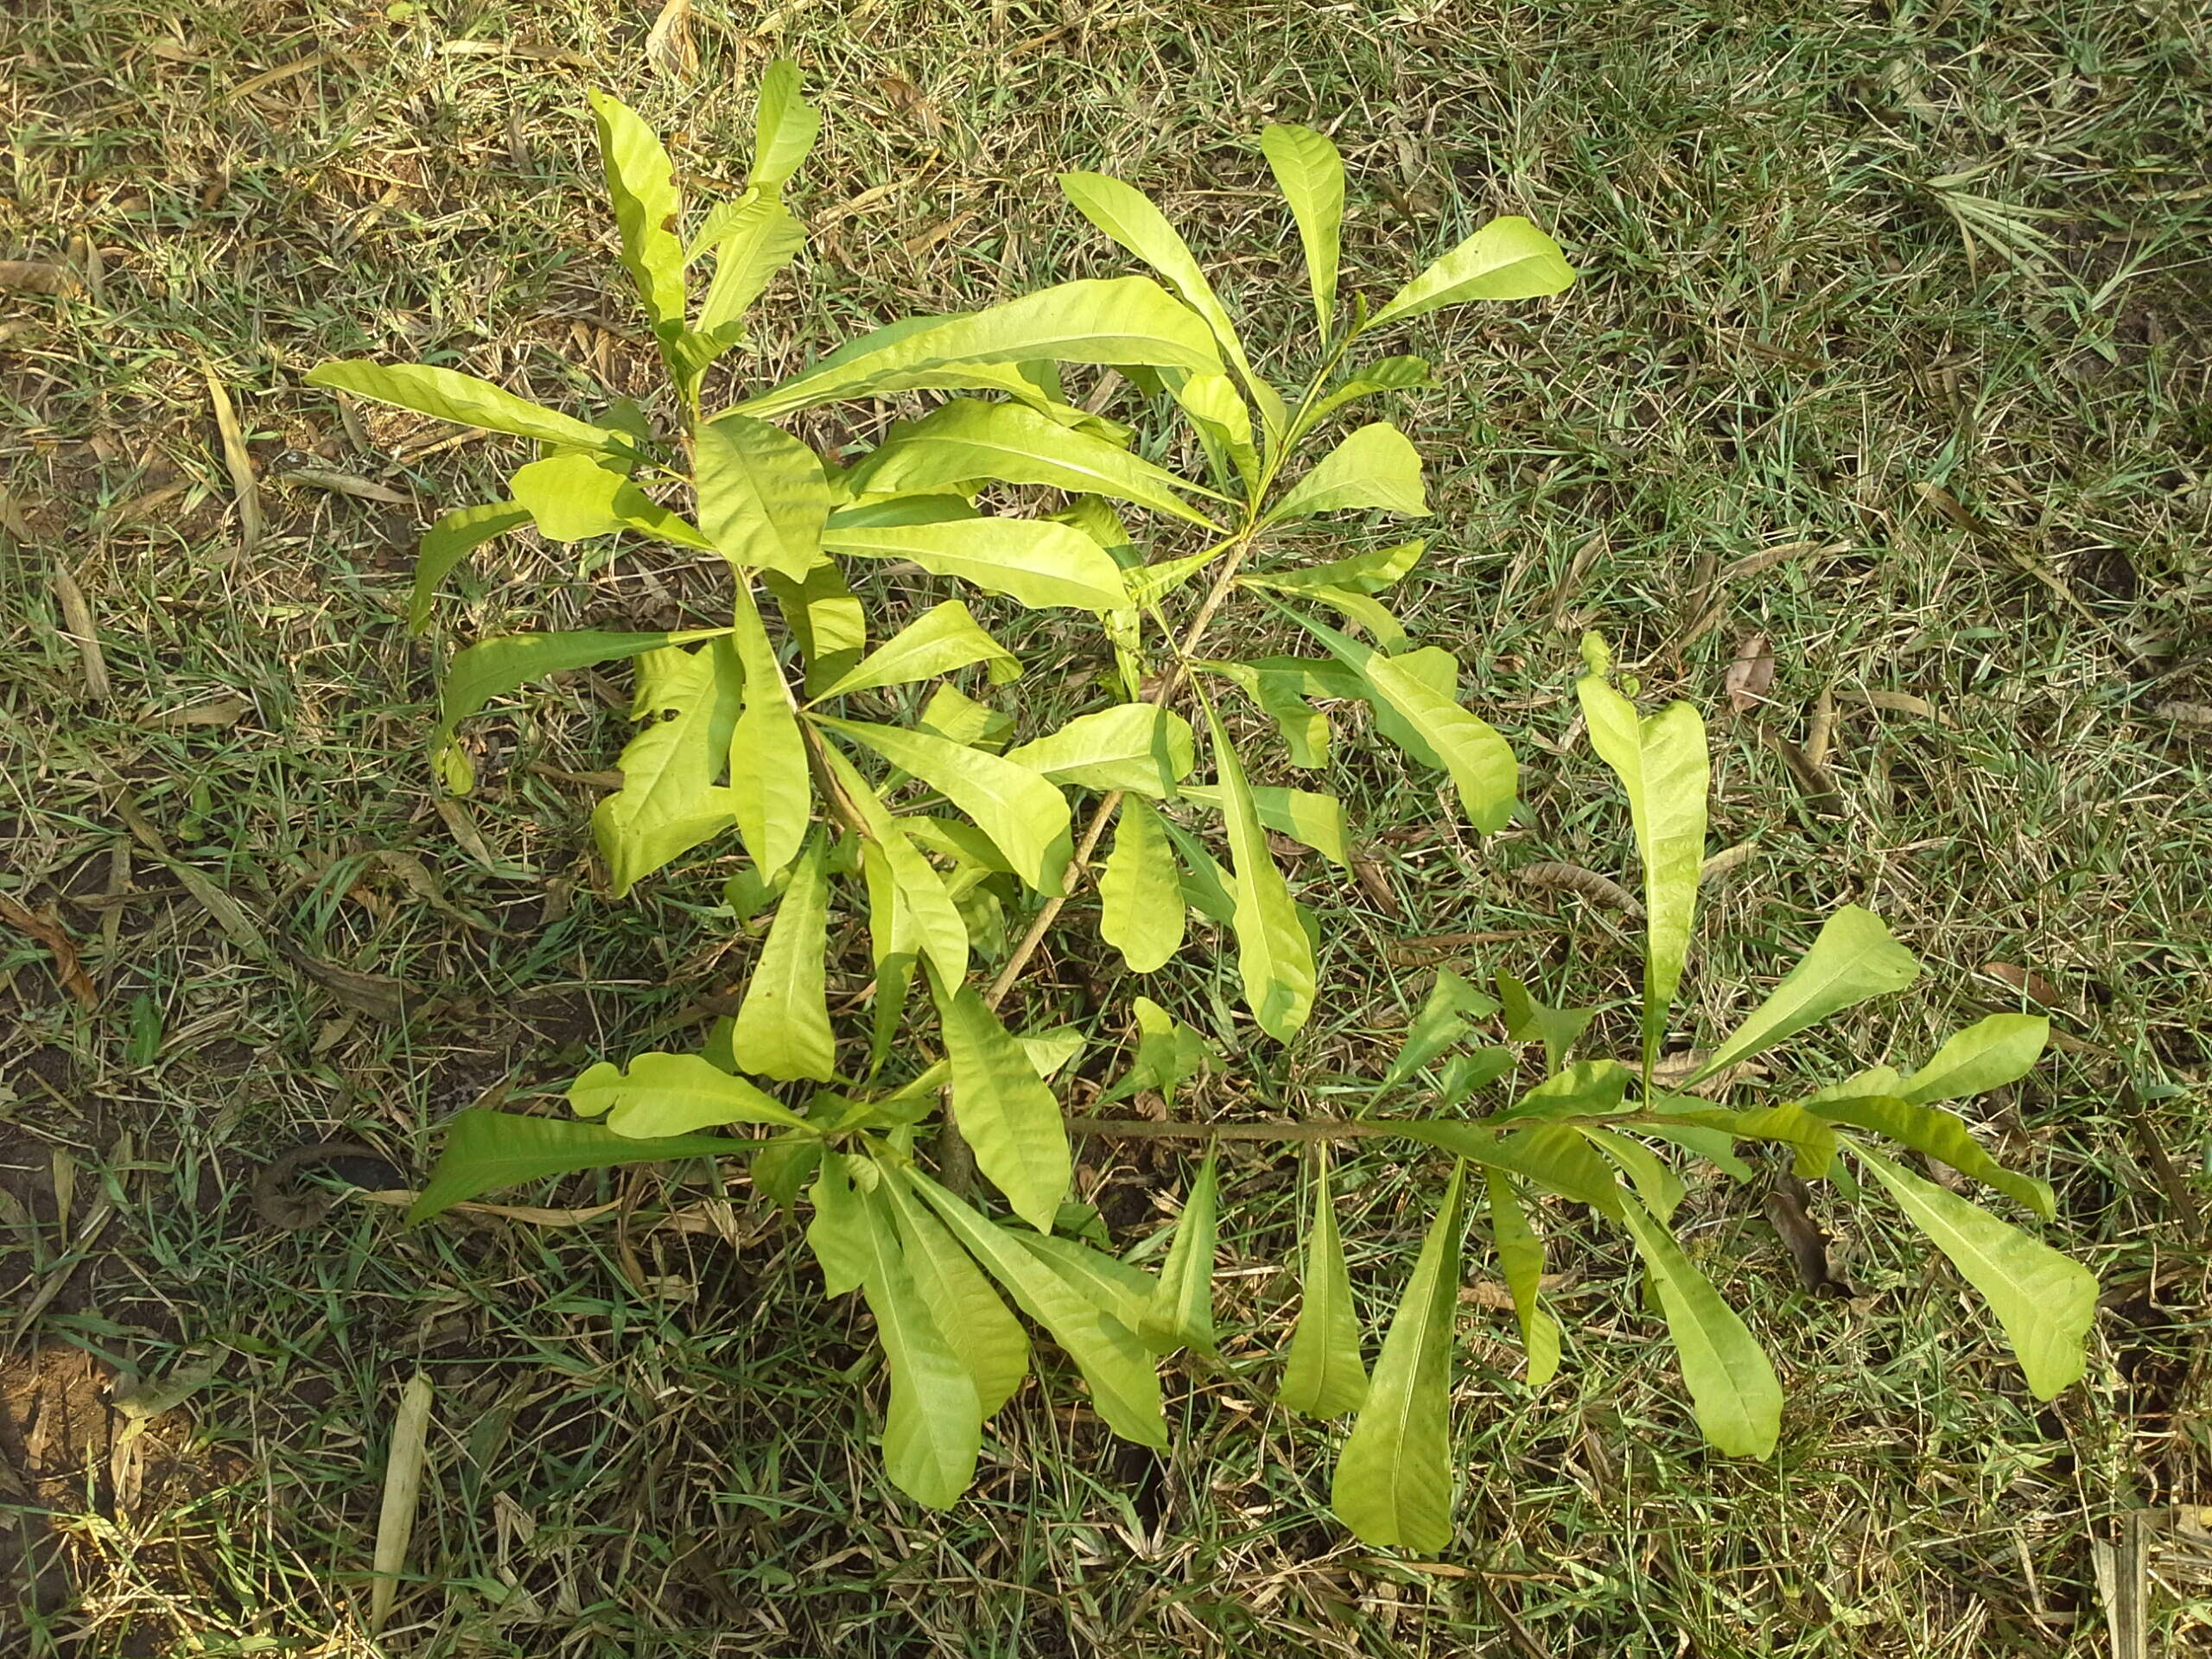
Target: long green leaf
x=783 y=1026
x=2045 y=1302
x=1181 y=1314
x=1167 y=1053
x=572 y=496
x=1126 y=319
x=1521 y=1259
x=1310 y=175
x=925 y=914
x=1552 y=1155
x=1374 y=467
x=448 y=395
x=1025 y=817
x=1127 y=215
x=1530 y=1019
x=934 y=1427
x=1275 y=958
x=1481 y=766
x=1135 y=746
x=1852 y=958
x=1507 y=259
x=784 y=126
x=1124 y=1294
x=492 y=668
x=1393 y=1485
x=1036 y=564
x=670 y=801
x=768 y=769
x=943 y=638
x=452 y=539
x=672 y=1094
x=1005 y=1111
x=1323 y=1374
x=641 y=182
x=755 y=241
x=1441 y=1024
x=1732 y=1388
x=988 y=1339
x=824 y=619
x=1987 y=1055
x=763 y=500
x=1941 y=1135
x=1664 y=769
x=1310 y=819
x=838 y=1231
x=968 y=439
x=487 y=1150
x=1363 y=572
x=1124 y=1387
x=1141 y=913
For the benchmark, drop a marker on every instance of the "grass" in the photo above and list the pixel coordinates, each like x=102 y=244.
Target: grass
x=1792 y=332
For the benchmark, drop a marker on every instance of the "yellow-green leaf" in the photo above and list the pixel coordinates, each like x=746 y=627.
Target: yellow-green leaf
x=1323 y=1374
x=641 y=182
x=2045 y=1302
x=1312 y=177
x=1181 y=1311
x=1006 y=1112
x=763 y=499
x=1127 y=215
x=1136 y=746
x=487 y=1150
x=1038 y=563
x=927 y=913
x=452 y=539
x=1852 y=958
x=1139 y=891
x=783 y=1026
x=1507 y=259
x=934 y=1426
x=750 y=245
x=1393 y=1485
x=448 y=395
x=1732 y=1388
x=672 y=1094
x=670 y=801
x=988 y=1339
x=943 y=638
x=1275 y=958
x=784 y=126
x=1987 y=1055
x=1374 y=467
x=768 y=770
x=1310 y=819
x=1942 y=1135
x=1521 y=1259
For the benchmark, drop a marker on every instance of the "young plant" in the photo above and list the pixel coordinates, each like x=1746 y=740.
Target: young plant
x=948 y=828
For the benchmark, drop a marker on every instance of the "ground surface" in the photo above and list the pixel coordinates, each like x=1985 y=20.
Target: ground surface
x=1984 y=470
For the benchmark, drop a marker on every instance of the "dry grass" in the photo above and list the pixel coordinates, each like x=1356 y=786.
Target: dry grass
x=1990 y=461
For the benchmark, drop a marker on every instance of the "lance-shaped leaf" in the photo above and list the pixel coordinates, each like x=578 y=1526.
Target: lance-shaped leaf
x=1274 y=956
x=1941 y=1135
x=670 y=801
x=578 y=494
x=641 y=183
x=1167 y=1053
x=1663 y=768
x=1027 y=817
x=1586 y=1088
x=783 y=126
x=1310 y=175
x=1137 y=747
x=1125 y=320
x=1655 y=1183
x=824 y=619
x=1124 y=1387
x=672 y=1094
x=1393 y=1485
x=1442 y=1023
x=1528 y=1019
x=783 y=1026
x=493 y=667
x=1310 y=819
x=1207 y=887
x=1127 y=215
x=1390 y=374
x=1552 y=1155
x=933 y=1428
x=1374 y=467
x=487 y=1150
x=1218 y=415
x=1852 y=958
x=768 y=770
x=1039 y=564
x=449 y=541
x=1521 y=1259
x=762 y=496
x=943 y=638
x=1122 y=1293
x=1006 y=1114
x=750 y=245
x=927 y=917
x=2045 y=1302
x=988 y=1339
x=1182 y=1313
x=1732 y=1388
x=1141 y=913
x=1323 y=1374
x=1481 y=767
x=1507 y=259
x=448 y=395
x=837 y=1232
x=968 y=439
x=1987 y=1055
x=1363 y=572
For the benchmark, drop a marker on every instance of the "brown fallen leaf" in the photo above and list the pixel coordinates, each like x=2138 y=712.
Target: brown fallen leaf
x=669 y=46
x=1895 y=702
x=2028 y=983
x=237 y=460
x=1727 y=859
x=1767 y=557
x=215 y=711
x=1948 y=507
x=1751 y=676
x=36 y=276
x=415 y=877
x=1572 y=878
x=283 y=72
x=1374 y=879
x=11 y=517
x=1813 y=782
x=2186 y=713
x=1495 y=1293
x=45 y=931
x=77 y=617
x=1673 y=1072
x=317 y=478
x=1802 y=1236
x=1820 y=730
x=374 y=995
x=1417 y=952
